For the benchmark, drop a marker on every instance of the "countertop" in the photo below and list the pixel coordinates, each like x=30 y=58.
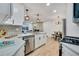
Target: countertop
x=11 y=50
x=22 y=35
x=30 y=34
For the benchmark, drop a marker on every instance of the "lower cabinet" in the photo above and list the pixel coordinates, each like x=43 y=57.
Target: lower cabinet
x=37 y=41
x=20 y=52
x=67 y=52
x=40 y=39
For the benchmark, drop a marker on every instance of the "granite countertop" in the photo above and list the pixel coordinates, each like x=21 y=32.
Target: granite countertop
x=11 y=50
x=30 y=34
x=39 y=32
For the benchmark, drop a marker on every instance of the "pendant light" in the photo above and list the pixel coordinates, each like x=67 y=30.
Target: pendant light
x=27 y=18
x=38 y=19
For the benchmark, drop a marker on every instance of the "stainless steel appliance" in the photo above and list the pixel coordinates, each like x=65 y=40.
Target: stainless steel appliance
x=29 y=44
x=69 y=46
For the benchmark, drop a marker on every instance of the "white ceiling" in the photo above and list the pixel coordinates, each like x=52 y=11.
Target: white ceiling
x=46 y=12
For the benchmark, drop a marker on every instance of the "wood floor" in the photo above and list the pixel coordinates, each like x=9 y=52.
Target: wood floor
x=51 y=48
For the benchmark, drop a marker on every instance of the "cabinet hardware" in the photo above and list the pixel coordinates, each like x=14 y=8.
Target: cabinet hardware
x=39 y=38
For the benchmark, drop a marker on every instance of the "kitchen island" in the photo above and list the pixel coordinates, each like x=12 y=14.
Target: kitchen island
x=18 y=48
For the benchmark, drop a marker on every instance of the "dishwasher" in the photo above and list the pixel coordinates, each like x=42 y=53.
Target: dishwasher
x=29 y=44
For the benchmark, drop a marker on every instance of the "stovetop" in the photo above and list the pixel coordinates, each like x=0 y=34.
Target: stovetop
x=71 y=40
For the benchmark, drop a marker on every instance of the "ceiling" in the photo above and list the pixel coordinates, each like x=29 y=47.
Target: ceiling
x=46 y=13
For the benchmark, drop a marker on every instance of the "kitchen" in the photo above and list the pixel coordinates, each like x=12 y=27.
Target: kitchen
x=16 y=33
x=35 y=29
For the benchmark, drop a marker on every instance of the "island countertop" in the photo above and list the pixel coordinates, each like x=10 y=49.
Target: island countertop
x=11 y=50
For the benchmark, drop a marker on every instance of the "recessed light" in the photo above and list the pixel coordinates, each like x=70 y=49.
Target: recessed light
x=47 y=4
x=54 y=11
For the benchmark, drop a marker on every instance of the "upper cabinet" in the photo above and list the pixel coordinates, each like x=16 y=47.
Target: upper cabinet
x=17 y=13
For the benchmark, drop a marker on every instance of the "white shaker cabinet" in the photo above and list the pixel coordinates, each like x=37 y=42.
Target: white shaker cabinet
x=40 y=39
x=43 y=39
x=17 y=13
x=37 y=41
x=20 y=52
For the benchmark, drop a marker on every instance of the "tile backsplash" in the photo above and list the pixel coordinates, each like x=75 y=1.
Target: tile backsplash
x=11 y=30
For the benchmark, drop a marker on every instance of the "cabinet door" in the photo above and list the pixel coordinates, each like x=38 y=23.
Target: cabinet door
x=40 y=39
x=43 y=39
x=18 y=13
x=37 y=41
x=20 y=52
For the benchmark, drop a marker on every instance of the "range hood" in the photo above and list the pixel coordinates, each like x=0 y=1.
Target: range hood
x=3 y=18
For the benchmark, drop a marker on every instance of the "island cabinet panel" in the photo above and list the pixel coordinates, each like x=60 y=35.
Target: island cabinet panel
x=20 y=52
x=40 y=39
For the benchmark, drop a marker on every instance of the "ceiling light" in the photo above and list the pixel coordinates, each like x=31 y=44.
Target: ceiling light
x=47 y=4
x=54 y=11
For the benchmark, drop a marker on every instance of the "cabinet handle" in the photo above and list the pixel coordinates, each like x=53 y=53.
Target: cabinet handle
x=43 y=36
x=13 y=21
x=39 y=38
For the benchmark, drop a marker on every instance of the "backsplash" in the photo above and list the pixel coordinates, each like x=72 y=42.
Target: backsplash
x=11 y=30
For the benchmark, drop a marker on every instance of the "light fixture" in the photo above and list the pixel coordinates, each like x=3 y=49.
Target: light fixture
x=38 y=19
x=54 y=11
x=47 y=4
x=27 y=18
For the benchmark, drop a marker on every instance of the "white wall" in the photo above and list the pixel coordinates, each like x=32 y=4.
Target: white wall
x=4 y=11
x=48 y=28
x=51 y=26
x=72 y=28
x=5 y=8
